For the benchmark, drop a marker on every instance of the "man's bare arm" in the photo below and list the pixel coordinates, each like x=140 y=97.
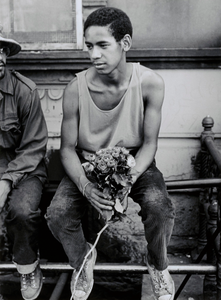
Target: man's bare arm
x=153 y=95
x=69 y=157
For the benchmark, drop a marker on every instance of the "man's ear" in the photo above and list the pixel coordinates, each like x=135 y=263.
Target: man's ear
x=126 y=42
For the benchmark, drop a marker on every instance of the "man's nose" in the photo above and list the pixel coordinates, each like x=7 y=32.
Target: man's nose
x=95 y=53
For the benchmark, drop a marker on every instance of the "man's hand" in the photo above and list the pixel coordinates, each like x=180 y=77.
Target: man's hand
x=97 y=199
x=5 y=188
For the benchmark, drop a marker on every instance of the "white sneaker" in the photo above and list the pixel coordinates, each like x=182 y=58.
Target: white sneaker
x=162 y=283
x=81 y=289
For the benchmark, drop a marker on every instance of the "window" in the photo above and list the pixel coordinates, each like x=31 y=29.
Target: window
x=43 y=25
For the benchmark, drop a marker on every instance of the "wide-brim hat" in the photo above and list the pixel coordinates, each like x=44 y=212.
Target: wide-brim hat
x=11 y=44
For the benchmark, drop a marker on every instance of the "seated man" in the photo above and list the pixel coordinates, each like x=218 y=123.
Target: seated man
x=113 y=103
x=23 y=139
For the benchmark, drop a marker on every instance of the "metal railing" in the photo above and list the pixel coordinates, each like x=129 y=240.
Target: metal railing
x=209 y=207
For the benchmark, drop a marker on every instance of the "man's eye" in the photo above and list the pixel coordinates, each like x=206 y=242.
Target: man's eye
x=89 y=47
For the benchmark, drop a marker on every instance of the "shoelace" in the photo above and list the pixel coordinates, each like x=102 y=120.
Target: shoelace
x=82 y=280
x=159 y=281
x=163 y=282
x=155 y=282
x=28 y=278
x=32 y=277
x=24 y=281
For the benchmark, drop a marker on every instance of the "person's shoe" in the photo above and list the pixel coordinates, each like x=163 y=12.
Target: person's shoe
x=31 y=284
x=81 y=287
x=162 y=283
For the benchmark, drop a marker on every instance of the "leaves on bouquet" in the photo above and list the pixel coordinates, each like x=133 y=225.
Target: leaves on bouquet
x=107 y=214
x=119 y=208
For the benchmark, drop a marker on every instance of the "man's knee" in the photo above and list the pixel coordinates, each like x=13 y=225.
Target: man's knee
x=53 y=217
x=23 y=214
x=160 y=208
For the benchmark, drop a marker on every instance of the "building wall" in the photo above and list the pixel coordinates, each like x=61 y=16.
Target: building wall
x=173 y=24
x=190 y=96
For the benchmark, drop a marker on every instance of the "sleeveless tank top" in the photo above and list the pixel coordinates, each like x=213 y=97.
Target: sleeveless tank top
x=121 y=126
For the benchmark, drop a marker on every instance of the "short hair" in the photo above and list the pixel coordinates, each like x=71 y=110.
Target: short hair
x=117 y=20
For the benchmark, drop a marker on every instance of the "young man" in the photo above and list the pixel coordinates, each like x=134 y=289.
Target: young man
x=113 y=103
x=23 y=139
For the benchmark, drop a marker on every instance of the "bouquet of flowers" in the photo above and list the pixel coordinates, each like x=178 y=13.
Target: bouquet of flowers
x=110 y=169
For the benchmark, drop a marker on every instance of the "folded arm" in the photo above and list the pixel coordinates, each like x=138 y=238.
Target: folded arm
x=33 y=139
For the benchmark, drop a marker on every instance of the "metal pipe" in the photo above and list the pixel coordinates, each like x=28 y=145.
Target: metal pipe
x=171 y=184
x=123 y=268
x=59 y=286
x=194 y=183
x=214 y=152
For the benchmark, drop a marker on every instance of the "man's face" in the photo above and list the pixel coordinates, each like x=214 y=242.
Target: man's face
x=105 y=52
x=3 y=55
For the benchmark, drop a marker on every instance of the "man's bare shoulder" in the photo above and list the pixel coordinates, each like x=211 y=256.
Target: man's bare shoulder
x=151 y=82
x=72 y=87
x=150 y=77
x=71 y=97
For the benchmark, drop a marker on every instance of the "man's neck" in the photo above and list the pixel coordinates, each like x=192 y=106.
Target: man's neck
x=119 y=77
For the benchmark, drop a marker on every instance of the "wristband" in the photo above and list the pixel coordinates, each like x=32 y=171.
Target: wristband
x=84 y=188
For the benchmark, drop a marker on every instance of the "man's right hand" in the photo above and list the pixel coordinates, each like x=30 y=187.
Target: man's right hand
x=97 y=199
x=5 y=188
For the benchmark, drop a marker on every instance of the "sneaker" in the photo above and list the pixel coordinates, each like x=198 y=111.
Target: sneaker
x=81 y=288
x=31 y=284
x=162 y=283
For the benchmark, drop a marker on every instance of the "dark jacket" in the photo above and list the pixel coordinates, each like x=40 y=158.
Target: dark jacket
x=23 y=131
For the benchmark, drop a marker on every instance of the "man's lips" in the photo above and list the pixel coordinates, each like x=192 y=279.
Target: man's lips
x=98 y=65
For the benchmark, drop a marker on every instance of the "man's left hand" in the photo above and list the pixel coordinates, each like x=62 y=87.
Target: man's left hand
x=5 y=188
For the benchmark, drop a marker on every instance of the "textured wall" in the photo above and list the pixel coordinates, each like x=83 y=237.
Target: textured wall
x=173 y=24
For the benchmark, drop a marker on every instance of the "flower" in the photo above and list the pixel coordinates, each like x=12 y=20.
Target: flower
x=116 y=152
x=102 y=166
x=131 y=161
x=90 y=157
x=111 y=163
x=88 y=167
x=110 y=169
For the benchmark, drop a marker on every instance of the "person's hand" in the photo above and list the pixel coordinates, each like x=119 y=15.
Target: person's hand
x=5 y=188
x=97 y=199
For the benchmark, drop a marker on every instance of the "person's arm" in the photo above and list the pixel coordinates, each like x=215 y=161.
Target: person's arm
x=33 y=138
x=69 y=157
x=153 y=95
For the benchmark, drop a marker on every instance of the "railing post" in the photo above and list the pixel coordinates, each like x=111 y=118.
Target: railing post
x=207 y=123
x=207 y=209
x=219 y=253
x=210 y=282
